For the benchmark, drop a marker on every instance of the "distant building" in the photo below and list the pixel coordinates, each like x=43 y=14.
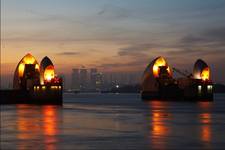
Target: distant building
x=63 y=77
x=93 y=73
x=83 y=79
x=75 y=79
x=99 y=81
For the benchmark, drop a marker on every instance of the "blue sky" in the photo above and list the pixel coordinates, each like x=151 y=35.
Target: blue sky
x=114 y=35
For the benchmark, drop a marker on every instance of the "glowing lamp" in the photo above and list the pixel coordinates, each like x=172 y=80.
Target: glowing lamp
x=37 y=67
x=205 y=74
x=49 y=73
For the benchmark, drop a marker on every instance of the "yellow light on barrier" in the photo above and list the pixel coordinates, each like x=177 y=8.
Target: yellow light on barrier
x=49 y=73
x=38 y=87
x=43 y=87
x=205 y=74
x=21 y=69
x=158 y=63
x=29 y=59
x=37 y=67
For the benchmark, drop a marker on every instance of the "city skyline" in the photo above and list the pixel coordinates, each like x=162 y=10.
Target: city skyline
x=113 y=36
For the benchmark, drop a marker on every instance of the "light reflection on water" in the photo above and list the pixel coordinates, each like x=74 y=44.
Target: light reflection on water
x=37 y=122
x=131 y=125
x=158 y=127
x=163 y=126
x=206 y=121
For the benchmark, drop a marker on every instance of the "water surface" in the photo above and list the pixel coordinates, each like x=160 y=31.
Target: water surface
x=114 y=121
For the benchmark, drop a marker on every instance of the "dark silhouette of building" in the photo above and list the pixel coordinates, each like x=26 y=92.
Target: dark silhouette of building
x=93 y=77
x=75 y=79
x=83 y=79
x=99 y=81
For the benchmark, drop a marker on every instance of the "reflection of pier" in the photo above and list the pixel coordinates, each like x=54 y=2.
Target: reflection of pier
x=159 y=129
x=172 y=125
x=205 y=119
x=39 y=124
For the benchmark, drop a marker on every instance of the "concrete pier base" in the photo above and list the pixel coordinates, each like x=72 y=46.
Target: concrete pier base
x=29 y=97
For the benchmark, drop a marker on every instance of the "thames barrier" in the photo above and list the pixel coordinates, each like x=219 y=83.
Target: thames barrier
x=158 y=82
x=34 y=83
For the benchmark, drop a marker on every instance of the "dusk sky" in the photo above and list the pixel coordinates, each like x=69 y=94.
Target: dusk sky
x=114 y=35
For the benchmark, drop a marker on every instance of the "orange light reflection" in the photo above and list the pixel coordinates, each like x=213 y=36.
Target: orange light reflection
x=37 y=123
x=205 y=120
x=159 y=129
x=50 y=120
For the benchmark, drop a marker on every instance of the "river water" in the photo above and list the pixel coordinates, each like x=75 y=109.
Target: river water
x=114 y=121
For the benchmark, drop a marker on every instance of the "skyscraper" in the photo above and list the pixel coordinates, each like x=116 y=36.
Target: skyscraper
x=63 y=77
x=83 y=79
x=99 y=81
x=93 y=73
x=75 y=80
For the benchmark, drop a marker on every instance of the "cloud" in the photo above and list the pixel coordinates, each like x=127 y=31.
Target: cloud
x=208 y=44
x=57 y=17
x=205 y=43
x=195 y=52
x=136 y=50
x=114 y=12
x=68 y=53
x=138 y=55
x=214 y=35
x=192 y=39
x=137 y=64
